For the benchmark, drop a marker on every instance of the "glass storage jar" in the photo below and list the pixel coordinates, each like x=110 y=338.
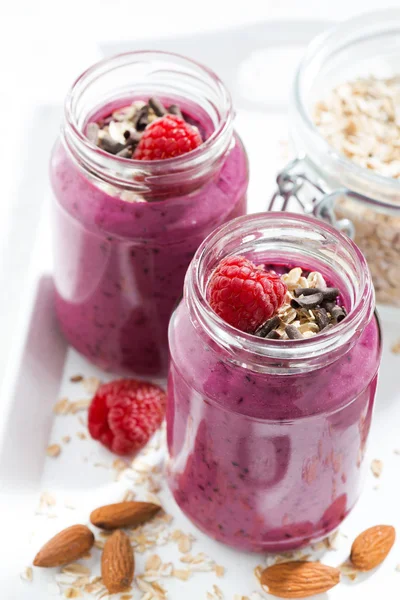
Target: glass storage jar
x=125 y=230
x=267 y=438
x=364 y=201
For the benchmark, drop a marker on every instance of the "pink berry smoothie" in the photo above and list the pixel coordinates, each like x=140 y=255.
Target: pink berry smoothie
x=120 y=264
x=266 y=461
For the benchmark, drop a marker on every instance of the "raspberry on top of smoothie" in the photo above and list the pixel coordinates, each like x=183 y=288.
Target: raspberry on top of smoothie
x=145 y=131
x=256 y=299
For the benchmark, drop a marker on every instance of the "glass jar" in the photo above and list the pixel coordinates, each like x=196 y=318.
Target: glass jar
x=363 y=46
x=267 y=438
x=125 y=230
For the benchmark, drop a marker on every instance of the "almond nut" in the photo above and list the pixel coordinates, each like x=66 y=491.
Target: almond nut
x=372 y=546
x=123 y=514
x=117 y=563
x=299 y=579
x=65 y=547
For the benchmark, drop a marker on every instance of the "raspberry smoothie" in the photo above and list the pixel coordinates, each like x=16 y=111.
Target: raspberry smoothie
x=125 y=229
x=267 y=436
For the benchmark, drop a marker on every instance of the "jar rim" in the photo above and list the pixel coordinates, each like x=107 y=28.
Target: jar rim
x=98 y=159
x=298 y=352
x=364 y=25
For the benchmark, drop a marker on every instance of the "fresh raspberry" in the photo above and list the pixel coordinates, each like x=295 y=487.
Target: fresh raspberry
x=167 y=137
x=125 y=413
x=243 y=294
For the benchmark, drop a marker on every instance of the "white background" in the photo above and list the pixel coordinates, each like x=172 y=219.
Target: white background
x=44 y=45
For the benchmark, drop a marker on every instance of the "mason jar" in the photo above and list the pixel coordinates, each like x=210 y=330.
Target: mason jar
x=267 y=438
x=126 y=230
x=365 y=201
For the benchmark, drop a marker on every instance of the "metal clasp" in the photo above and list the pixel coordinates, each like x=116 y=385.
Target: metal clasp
x=294 y=185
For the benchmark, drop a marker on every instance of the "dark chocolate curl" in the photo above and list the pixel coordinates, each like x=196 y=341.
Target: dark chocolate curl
x=268 y=326
x=308 y=301
x=158 y=107
x=293 y=333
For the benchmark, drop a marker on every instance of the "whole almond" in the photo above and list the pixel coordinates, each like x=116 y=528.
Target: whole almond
x=299 y=579
x=372 y=546
x=123 y=514
x=117 y=563
x=65 y=547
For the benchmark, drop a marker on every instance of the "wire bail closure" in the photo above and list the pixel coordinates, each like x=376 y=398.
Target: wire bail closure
x=314 y=200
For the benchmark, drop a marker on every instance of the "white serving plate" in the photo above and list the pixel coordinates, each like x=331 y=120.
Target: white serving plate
x=40 y=365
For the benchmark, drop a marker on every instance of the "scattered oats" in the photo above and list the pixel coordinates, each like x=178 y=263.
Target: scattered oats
x=182 y=574
x=396 y=347
x=76 y=378
x=91 y=385
x=53 y=450
x=46 y=499
x=257 y=571
x=72 y=593
x=218 y=592
x=79 y=405
x=82 y=421
x=119 y=465
x=82 y=435
x=348 y=570
x=75 y=569
x=140 y=466
x=27 y=574
x=153 y=563
x=81 y=581
x=128 y=496
x=95 y=586
x=153 y=498
x=219 y=570
x=377 y=467
x=66 y=439
x=62 y=407
x=185 y=544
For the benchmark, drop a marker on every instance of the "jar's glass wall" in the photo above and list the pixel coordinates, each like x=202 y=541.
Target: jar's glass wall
x=268 y=459
x=362 y=47
x=125 y=232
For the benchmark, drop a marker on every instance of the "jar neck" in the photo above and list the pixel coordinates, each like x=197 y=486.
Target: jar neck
x=137 y=75
x=282 y=238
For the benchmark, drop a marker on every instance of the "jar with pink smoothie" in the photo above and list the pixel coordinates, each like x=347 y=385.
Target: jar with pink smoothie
x=127 y=224
x=267 y=433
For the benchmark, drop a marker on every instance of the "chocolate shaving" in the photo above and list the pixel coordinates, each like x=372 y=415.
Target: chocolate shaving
x=330 y=294
x=141 y=119
x=293 y=333
x=110 y=145
x=133 y=137
x=307 y=291
x=175 y=110
x=308 y=301
x=321 y=317
x=329 y=306
x=273 y=335
x=338 y=313
x=268 y=326
x=157 y=106
x=125 y=153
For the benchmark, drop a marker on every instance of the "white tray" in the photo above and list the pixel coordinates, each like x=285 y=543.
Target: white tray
x=40 y=366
